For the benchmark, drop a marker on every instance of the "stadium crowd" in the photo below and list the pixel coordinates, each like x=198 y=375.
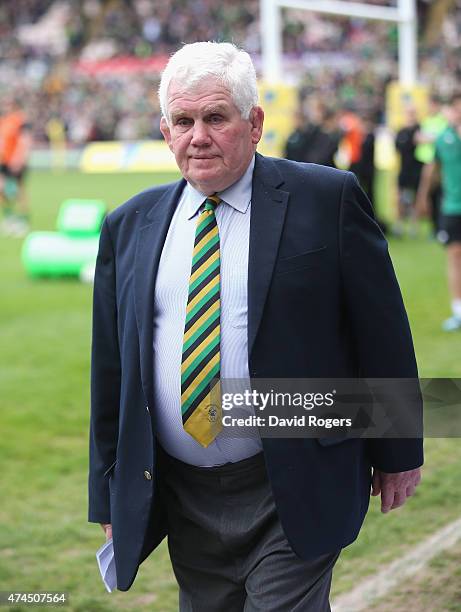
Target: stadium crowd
x=49 y=49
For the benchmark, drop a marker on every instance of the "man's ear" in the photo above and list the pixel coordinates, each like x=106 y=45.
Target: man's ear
x=164 y=128
x=256 y=121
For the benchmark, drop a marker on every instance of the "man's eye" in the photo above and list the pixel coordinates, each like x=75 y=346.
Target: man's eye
x=216 y=118
x=183 y=122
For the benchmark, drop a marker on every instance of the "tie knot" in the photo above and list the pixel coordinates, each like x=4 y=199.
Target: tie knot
x=211 y=203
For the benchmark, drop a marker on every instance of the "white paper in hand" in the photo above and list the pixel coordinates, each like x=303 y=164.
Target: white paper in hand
x=106 y=562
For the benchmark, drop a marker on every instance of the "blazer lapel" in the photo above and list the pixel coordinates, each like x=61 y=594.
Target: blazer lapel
x=151 y=238
x=268 y=209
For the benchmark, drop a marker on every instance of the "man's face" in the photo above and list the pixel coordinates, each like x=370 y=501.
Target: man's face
x=211 y=142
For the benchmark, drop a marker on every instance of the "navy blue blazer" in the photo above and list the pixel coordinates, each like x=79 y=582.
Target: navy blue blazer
x=323 y=301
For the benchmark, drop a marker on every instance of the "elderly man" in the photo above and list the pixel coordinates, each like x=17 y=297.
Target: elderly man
x=247 y=267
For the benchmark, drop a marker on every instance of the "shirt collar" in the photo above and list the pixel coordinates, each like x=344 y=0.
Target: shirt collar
x=238 y=195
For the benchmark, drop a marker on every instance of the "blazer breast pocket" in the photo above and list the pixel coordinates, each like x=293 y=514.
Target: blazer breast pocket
x=308 y=259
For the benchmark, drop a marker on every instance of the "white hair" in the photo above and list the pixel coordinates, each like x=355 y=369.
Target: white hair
x=196 y=62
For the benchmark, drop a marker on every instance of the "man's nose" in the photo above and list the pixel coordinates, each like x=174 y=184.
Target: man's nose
x=200 y=135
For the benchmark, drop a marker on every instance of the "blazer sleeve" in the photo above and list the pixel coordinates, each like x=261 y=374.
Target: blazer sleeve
x=105 y=381
x=377 y=316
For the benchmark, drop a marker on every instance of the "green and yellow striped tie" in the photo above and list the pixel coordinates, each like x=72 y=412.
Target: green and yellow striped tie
x=201 y=359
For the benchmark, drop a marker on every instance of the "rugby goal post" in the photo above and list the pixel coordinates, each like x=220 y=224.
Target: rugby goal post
x=404 y=14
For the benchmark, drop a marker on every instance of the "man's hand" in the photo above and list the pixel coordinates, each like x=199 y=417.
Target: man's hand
x=394 y=487
x=107 y=527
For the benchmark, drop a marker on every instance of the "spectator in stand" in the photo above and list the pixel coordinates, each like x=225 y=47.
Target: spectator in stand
x=15 y=147
x=448 y=160
x=409 y=175
x=431 y=127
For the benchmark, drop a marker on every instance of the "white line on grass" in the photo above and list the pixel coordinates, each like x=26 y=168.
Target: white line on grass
x=381 y=583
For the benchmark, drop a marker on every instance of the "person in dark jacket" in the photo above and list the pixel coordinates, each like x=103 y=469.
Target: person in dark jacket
x=410 y=173
x=247 y=267
x=299 y=142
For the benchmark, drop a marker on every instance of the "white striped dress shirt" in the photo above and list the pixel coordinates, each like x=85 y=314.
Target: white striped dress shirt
x=170 y=300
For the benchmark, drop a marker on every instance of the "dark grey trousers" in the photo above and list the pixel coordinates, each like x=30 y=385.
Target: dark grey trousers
x=227 y=547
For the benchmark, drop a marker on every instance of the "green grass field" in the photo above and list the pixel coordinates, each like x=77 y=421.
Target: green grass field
x=440 y=582
x=45 y=542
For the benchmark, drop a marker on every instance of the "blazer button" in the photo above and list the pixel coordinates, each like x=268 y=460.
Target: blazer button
x=147 y=475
